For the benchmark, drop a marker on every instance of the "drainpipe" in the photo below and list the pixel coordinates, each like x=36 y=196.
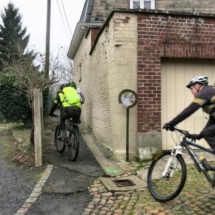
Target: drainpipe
x=85 y=15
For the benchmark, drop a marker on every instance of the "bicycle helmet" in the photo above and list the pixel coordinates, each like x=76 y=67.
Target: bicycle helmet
x=202 y=80
x=64 y=85
x=73 y=84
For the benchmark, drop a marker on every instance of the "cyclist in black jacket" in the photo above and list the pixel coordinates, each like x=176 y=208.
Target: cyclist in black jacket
x=204 y=97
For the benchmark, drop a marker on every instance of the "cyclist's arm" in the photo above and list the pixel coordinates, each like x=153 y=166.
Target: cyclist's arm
x=81 y=95
x=55 y=103
x=199 y=101
x=193 y=107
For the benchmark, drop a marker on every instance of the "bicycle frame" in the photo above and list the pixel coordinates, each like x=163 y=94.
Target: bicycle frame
x=178 y=150
x=69 y=124
x=186 y=143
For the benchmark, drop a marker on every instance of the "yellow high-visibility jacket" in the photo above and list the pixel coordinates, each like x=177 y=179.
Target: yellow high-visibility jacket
x=69 y=97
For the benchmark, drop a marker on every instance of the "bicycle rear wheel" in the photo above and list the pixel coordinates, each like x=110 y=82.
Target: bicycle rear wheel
x=59 y=144
x=73 y=144
x=166 y=187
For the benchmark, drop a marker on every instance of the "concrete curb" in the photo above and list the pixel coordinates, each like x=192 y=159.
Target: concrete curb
x=36 y=191
x=110 y=167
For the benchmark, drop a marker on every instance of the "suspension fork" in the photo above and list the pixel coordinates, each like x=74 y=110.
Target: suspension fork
x=176 y=150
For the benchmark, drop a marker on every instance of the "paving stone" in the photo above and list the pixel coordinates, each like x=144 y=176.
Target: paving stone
x=192 y=199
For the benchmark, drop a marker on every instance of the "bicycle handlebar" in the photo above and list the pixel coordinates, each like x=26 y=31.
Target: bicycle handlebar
x=185 y=133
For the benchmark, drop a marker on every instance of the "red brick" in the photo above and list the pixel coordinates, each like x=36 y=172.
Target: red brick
x=159 y=36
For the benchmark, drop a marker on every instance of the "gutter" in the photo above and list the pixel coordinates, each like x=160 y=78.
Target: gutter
x=80 y=30
x=85 y=14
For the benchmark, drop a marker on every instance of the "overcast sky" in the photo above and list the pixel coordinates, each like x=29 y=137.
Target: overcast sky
x=64 y=16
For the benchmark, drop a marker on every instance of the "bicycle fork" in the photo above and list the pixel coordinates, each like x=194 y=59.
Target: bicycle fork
x=166 y=173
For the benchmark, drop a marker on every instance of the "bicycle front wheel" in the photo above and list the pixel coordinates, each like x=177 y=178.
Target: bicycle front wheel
x=73 y=144
x=59 y=144
x=166 y=176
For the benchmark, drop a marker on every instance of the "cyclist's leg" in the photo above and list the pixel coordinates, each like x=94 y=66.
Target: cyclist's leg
x=79 y=117
x=75 y=114
x=65 y=115
x=208 y=134
x=70 y=112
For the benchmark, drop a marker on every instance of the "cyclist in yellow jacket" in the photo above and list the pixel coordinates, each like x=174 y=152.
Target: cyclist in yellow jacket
x=70 y=106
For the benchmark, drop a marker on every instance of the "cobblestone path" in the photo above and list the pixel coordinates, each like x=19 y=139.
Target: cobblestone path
x=192 y=200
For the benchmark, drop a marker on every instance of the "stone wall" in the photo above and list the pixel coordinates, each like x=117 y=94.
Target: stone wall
x=197 y=6
x=102 y=8
x=82 y=68
x=94 y=84
x=122 y=74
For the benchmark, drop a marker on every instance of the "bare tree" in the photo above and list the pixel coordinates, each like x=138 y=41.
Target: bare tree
x=29 y=75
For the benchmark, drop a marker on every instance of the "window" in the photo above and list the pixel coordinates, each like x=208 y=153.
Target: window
x=143 y=4
x=136 y=4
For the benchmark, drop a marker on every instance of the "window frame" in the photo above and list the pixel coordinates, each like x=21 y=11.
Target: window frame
x=142 y=4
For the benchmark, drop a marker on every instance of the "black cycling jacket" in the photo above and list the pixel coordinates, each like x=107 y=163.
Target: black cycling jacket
x=205 y=99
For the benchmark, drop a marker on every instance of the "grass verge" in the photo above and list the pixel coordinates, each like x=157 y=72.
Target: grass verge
x=16 y=142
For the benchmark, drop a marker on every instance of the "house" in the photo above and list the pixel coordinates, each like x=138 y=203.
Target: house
x=154 y=52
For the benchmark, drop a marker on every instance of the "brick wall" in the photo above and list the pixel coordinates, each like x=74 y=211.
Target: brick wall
x=167 y=36
x=198 y=6
x=82 y=66
x=109 y=69
x=113 y=66
x=94 y=33
x=94 y=84
x=122 y=67
x=100 y=100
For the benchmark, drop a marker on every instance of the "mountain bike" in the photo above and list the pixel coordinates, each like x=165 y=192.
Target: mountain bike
x=167 y=173
x=71 y=140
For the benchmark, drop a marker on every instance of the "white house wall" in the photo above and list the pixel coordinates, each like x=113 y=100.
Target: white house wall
x=122 y=74
x=111 y=68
